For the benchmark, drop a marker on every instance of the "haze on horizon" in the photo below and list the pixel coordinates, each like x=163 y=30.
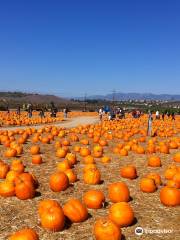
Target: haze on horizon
x=69 y=48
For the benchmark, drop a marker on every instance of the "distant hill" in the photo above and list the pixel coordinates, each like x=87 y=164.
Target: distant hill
x=30 y=98
x=136 y=96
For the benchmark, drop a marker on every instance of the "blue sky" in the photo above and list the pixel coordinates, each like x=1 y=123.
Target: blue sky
x=73 y=47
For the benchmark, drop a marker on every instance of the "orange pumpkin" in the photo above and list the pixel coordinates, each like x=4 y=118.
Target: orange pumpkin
x=46 y=204
x=84 y=151
x=24 y=234
x=123 y=152
x=176 y=157
x=89 y=159
x=4 y=168
x=61 y=152
x=148 y=185
x=35 y=149
x=75 y=211
x=164 y=149
x=92 y=176
x=24 y=190
x=128 y=172
x=71 y=157
x=121 y=214
x=154 y=161
x=10 y=152
x=105 y=159
x=36 y=159
x=7 y=189
x=118 y=192
x=12 y=175
x=71 y=175
x=94 y=199
x=170 y=196
x=156 y=177
x=58 y=182
x=53 y=218
x=64 y=165
x=105 y=229
x=170 y=172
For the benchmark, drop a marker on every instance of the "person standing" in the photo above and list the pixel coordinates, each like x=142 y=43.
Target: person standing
x=163 y=115
x=149 y=128
x=30 y=110
x=173 y=116
x=65 y=110
x=100 y=114
x=18 y=111
x=157 y=114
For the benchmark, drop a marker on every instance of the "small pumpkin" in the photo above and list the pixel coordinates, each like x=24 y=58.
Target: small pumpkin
x=35 y=149
x=71 y=175
x=24 y=234
x=36 y=159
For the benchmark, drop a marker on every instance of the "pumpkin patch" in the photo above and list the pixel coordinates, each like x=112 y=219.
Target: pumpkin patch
x=98 y=180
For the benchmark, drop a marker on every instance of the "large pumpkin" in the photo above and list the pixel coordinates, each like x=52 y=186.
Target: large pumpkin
x=105 y=229
x=75 y=211
x=128 y=172
x=7 y=189
x=46 y=204
x=170 y=196
x=24 y=190
x=58 y=182
x=148 y=185
x=118 y=192
x=92 y=176
x=94 y=199
x=154 y=161
x=121 y=214
x=52 y=218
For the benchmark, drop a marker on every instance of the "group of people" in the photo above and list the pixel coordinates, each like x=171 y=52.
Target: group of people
x=112 y=113
x=29 y=110
x=136 y=114
x=169 y=115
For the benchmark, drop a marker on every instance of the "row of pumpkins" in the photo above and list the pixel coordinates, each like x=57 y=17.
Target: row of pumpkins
x=13 y=119
x=51 y=214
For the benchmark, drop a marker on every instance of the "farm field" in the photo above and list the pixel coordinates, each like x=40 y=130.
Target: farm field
x=13 y=119
x=98 y=155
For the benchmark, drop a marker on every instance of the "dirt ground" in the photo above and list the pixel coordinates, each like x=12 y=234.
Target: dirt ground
x=68 y=123
x=149 y=212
